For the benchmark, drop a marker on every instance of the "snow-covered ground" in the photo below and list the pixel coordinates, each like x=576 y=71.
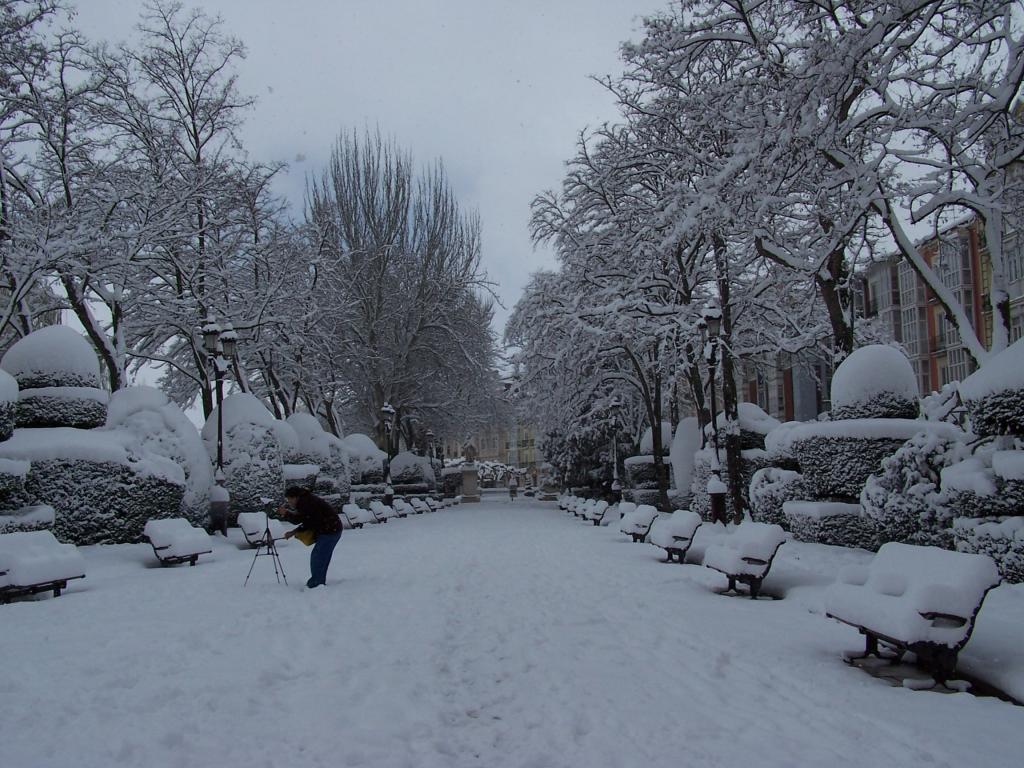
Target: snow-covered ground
x=496 y=634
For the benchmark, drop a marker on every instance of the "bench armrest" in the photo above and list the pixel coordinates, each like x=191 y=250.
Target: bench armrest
x=754 y=561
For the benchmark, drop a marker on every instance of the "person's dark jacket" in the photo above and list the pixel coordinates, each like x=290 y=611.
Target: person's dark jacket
x=314 y=514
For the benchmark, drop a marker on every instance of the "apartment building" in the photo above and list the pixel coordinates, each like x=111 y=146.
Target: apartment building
x=891 y=295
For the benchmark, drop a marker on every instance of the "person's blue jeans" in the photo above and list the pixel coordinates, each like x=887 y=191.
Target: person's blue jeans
x=320 y=558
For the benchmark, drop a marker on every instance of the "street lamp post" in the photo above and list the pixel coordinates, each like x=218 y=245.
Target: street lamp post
x=712 y=317
x=221 y=344
x=387 y=417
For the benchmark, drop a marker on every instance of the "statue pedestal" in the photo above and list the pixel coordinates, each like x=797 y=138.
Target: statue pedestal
x=470 y=484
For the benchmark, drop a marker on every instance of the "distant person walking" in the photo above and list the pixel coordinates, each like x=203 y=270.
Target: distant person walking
x=317 y=519
x=513 y=486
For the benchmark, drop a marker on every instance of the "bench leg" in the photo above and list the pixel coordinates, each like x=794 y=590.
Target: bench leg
x=732 y=584
x=192 y=560
x=755 y=588
x=58 y=587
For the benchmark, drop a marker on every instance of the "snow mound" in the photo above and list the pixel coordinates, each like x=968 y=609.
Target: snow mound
x=363 y=447
x=287 y=439
x=54 y=356
x=875 y=381
x=407 y=467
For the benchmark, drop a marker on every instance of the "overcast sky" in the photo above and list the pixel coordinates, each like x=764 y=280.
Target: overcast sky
x=497 y=89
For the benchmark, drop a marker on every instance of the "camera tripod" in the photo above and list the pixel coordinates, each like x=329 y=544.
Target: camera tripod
x=267 y=548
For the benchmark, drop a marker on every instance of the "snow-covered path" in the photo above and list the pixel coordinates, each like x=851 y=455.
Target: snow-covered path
x=487 y=635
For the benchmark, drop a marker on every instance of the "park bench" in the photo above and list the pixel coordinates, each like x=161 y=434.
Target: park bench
x=175 y=540
x=381 y=511
x=433 y=503
x=746 y=555
x=254 y=526
x=419 y=505
x=403 y=508
x=356 y=515
x=674 y=533
x=584 y=508
x=637 y=523
x=924 y=600
x=571 y=502
x=596 y=511
x=34 y=561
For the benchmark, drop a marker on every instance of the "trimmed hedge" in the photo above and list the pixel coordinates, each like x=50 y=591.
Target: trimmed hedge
x=1001 y=538
x=840 y=466
x=1001 y=413
x=770 y=488
x=838 y=524
x=47 y=410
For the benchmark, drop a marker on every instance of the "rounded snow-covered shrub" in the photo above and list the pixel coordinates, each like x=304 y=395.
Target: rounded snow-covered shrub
x=987 y=483
x=312 y=444
x=102 y=485
x=162 y=428
x=451 y=481
x=1001 y=538
x=8 y=404
x=55 y=356
x=876 y=381
x=58 y=375
x=994 y=394
x=288 y=442
x=772 y=487
x=366 y=459
x=831 y=522
x=411 y=473
x=639 y=496
x=754 y=425
x=317 y=446
x=640 y=474
x=647 y=439
x=253 y=467
x=836 y=458
x=750 y=462
x=905 y=500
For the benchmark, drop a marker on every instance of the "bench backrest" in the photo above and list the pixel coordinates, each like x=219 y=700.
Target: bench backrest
x=164 y=532
x=934 y=580
x=626 y=508
x=644 y=514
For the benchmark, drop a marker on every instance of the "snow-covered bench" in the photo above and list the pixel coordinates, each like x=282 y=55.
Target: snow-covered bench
x=583 y=508
x=637 y=523
x=34 y=561
x=254 y=526
x=403 y=508
x=419 y=505
x=571 y=502
x=434 y=504
x=596 y=512
x=381 y=511
x=175 y=540
x=357 y=515
x=919 y=599
x=746 y=554
x=674 y=533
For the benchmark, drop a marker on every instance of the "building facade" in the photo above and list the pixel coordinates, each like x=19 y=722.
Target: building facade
x=892 y=296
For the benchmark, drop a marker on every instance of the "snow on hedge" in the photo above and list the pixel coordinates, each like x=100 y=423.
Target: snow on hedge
x=313 y=441
x=287 y=441
x=8 y=388
x=770 y=489
x=994 y=395
x=1001 y=538
x=875 y=381
x=830 y=522
x=55 y=356
x=409 y=469
x=367 y=460
x=160 y=426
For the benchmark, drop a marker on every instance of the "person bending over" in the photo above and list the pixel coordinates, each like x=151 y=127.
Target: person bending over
x=315 y=515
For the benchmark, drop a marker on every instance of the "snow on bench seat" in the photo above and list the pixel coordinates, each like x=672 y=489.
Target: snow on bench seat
x=921 y=599
x=357 y=515
x=403 y=508
x=175 y=540
x=637 y=523
x=381 y=510
x=419 y=505
x=746 y=554
x=254 y=525
x=674 y=533
x=34 y=561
